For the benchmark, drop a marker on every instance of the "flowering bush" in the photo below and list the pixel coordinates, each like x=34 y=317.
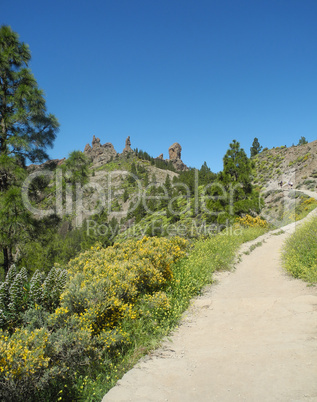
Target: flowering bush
x=23 y=362
x=249 y=221
x=90 y=325
x=105 y=284
x=308 y=204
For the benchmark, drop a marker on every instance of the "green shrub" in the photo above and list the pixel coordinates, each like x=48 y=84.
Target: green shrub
x=300 y=252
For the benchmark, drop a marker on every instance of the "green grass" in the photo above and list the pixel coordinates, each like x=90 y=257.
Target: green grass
x=253 y=247
x=278 y=233
x=300 y=252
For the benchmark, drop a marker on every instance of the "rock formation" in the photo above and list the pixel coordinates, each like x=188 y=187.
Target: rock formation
x=175 y=157
x=174 y=151
x=127 y=147
x=98 y=153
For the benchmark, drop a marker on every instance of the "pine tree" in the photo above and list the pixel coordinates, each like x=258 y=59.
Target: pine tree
x=26 y=130
x=236 y=179
x=168 y=185
x=237 y=168
x=256 y=147
x=205 y=175
x=133 y=177
x=76 y=168
x=139 y=212
x=302 y=141
x=16 y=223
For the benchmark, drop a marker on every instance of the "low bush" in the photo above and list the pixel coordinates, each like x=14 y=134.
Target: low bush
x=300 y=252
x=250 y=221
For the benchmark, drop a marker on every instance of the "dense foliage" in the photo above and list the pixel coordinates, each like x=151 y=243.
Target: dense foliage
x=58 y=241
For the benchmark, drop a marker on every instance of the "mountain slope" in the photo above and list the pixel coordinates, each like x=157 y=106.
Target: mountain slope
x=297 y=164
x=274 y=170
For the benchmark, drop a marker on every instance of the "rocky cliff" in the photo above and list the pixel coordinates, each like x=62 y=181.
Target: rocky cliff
x=175 y=157
x=296 y=164
x=127 y=147
x=100 y=154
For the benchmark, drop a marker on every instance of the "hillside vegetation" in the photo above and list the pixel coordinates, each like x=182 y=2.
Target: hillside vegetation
x=76 y=204
x=115 y=305
x=297 y=164
x=133 y=195
x=300 y=252
x=70 y=331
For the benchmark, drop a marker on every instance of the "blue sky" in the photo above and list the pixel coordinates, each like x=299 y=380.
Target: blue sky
x=197 y=72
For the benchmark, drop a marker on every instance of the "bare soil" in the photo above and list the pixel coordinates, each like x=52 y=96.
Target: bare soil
x=251 y=337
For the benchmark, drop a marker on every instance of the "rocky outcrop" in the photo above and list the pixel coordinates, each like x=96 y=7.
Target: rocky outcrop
x=100 y=154
x=174 y=151
x=127 y=147
x=175 y=157
x=179 y=165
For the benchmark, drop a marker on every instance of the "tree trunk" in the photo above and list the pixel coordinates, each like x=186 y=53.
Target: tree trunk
x=7 y=259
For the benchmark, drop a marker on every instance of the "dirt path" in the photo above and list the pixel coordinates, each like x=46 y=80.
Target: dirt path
x=251 y=337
